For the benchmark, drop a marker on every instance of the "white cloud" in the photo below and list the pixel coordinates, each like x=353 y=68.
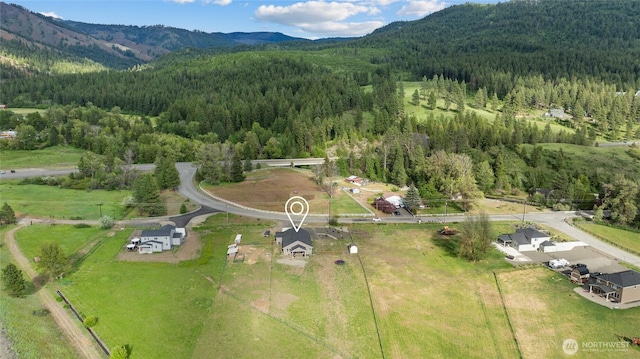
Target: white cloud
x=182 y=1
x=310 y=12
x=320 y=17
x=51 y=14
x=217 y=2
x=421 y=8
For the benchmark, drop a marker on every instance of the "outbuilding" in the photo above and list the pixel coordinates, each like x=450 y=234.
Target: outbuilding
x=353 y=249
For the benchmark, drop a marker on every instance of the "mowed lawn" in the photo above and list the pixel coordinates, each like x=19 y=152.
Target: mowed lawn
x=269 y=190
x=54 y=202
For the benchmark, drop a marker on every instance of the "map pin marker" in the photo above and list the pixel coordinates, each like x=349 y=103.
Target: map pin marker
x=299 y=208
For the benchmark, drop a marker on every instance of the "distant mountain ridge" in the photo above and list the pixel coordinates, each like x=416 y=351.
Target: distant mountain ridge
x=113 y=46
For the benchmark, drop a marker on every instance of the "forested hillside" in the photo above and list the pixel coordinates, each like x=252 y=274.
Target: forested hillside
x=36 y=43
x=489 y=45
x=483 y=72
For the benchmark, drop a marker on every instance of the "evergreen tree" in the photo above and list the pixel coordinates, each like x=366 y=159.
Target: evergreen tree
x=412 y=199
x=13 y=280
x=147 y=196
x=432 y=100
x=7 y=216
x=237 y=174
x=485 y=176
x=415 y=98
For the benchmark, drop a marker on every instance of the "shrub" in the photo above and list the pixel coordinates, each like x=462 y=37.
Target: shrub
x=81 y=225
x=106 y=222
x=90 y=321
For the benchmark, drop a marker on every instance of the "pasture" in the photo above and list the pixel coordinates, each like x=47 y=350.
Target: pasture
x=33 y=333
x=57 y=157
x=405 y=295
x=53 y=202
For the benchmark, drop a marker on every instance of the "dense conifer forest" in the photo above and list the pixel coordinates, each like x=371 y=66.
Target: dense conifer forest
x=221 y=107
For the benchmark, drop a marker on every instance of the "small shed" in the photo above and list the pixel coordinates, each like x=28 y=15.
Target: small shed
x=232 y=250
x=353 y=249
x=238 y=239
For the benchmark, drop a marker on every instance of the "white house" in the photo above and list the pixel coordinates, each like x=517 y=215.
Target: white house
x=150 y=247
x=525 y=239
x=168 y=236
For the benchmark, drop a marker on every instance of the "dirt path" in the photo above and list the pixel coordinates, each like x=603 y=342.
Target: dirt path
x=77 y=336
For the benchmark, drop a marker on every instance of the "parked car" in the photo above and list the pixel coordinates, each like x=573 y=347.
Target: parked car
x=376 y=219
x=396 y=213
x=13 y=171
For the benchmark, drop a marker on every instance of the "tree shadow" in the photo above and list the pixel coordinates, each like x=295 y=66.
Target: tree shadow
x=449 y=244
x=33 y=286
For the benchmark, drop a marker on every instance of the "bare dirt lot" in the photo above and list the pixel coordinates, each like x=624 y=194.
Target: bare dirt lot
x=270 y=189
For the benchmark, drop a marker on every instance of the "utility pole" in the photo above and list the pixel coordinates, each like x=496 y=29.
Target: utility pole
x=524 y=209
x=445 y=211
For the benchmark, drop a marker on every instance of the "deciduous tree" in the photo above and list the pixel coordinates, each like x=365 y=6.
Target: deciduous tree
x=53 y=261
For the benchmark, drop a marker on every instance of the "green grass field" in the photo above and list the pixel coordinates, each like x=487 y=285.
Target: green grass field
x=622 y=238
x=406 y=295
x=54 y=202
x=50 y=157
x=32 y=336
x=589 y=159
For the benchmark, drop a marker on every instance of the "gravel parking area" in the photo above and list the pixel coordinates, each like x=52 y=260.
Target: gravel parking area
x=595 y=260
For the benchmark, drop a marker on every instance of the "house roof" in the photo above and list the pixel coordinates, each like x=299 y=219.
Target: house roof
x=547 y=244
x=290 y=236
x=531 y=233
x=581 y=270
x=623 y=279
x=520 y=238
x=164 y=231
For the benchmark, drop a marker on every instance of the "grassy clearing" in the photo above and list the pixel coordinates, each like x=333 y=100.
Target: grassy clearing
x=73 y=241
x=32 y=336
x=545 y=311
x=54 y=202
x=601 y=159
x=427 y=302
x=56 y=157
x=622 y=238
x=422 y=112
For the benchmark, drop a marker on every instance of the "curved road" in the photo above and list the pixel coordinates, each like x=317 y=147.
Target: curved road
x=554 y=220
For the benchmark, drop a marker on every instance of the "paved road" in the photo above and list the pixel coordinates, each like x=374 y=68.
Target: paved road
x=554 y=220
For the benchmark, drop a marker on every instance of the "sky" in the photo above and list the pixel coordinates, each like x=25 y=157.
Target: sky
x=311 y=19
